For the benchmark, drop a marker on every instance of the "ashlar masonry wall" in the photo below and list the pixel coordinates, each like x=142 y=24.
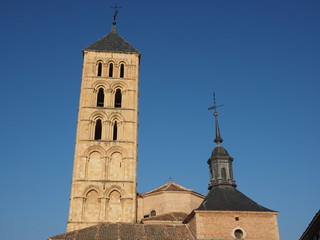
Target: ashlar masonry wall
x=105 y=160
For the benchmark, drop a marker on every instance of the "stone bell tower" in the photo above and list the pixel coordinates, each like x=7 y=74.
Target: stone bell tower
x=105 y=160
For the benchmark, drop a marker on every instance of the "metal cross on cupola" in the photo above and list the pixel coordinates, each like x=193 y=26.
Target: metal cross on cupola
x=215 y=106
x=218 y=138
x=115 y=7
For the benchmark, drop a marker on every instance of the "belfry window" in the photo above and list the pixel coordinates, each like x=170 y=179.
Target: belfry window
x=110 y=70
x=98 y=130
x=115 y=131
x=100 y=98
x=118 y=99
x=122 y=70
x=99 y=69
x=224 y=174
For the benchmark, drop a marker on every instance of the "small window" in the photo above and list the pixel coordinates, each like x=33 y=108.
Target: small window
x=100 y=98
x=238 y=234
x=111 y=70
x=224 y=174
x=122 y=70
x=118 y=99
x=115 y=131
x=99 y=69
x=98 y=130
x=153 y=213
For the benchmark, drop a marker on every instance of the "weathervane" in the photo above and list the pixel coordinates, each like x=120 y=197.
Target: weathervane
x=218 y=138
x=116 y=7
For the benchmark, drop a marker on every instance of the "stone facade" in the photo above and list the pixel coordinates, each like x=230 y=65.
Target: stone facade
x=104 y=203
x=105 y=159
x=233 y=225
x=168 y=198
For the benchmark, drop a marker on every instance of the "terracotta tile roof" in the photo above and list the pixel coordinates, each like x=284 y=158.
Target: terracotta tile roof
x=170 y=186
x=129 y=231
x=171 y=216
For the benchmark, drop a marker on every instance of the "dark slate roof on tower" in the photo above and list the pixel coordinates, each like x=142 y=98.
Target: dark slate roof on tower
x=228 y=198
x=220 y=152
x=112 y=42
x=128 y=231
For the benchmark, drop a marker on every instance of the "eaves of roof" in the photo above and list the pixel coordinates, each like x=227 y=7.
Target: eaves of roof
x=228 y=198
x=112 y=42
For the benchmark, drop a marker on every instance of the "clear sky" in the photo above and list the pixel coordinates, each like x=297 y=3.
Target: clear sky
x=262 y=58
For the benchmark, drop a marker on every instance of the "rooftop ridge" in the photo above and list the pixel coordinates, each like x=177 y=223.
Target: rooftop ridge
x=228 y=198
x=165 y=187
x=169 y=216
x=134 y=231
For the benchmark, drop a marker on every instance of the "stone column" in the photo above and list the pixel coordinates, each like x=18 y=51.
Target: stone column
x=84 y=199
x=106 y=215
x=103 y=209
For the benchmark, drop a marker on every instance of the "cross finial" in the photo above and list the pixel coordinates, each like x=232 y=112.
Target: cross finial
x=218 y=138
x=170 y=179
x=115 y=7
x=215 y=106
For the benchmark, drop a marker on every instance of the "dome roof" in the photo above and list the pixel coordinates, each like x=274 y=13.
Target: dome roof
x=219 y=151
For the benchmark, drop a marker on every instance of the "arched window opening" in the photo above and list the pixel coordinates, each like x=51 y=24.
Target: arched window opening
x=94 y=166
x=224 y=174
x=153 y=213
x=92 y=206
x=99 y=69
x=116 y=171
x=115 y=131
x=118 y=99
x=122 y=70
x=115 y=207
x=98 y=130
x=111 y=70
x=100 y=98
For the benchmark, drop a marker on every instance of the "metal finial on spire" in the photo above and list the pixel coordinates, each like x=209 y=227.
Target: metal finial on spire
x=115 y=7
x=218 y=138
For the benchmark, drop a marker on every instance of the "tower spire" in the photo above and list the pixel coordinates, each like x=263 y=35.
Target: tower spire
x=218 y=140
x=220 y=163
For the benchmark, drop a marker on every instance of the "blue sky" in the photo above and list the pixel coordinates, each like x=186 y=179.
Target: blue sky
x=261 y=57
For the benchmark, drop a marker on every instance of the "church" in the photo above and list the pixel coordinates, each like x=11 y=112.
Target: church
x=104 y=203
